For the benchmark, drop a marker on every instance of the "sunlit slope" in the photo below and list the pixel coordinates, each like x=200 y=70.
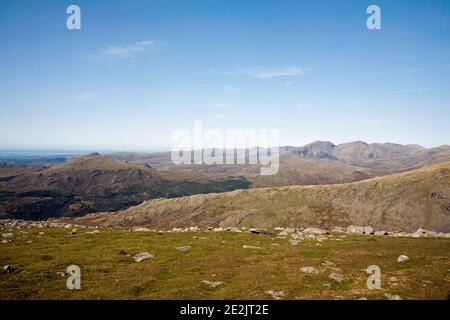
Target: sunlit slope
x=406 y=201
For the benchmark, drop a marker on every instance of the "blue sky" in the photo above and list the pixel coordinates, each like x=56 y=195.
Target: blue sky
x=138 y=70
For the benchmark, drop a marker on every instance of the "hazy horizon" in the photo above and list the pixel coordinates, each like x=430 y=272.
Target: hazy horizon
x=137 y=71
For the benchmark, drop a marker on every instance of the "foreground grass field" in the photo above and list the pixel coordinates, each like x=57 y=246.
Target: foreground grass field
x=108 y=270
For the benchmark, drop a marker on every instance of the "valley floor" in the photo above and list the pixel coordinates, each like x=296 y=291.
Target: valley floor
x=108 y=270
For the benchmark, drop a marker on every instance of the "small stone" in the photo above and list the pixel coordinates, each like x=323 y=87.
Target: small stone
x=294 y=242
x=309 y=270
x=212 y=284
x=355 y=230
x=327 y=263
x=276 y=295
x=297 y=236
x=260 y=231
x=336 y=277
x=368 y=230
x=184 y=248
x=143 y=229
x=403 y=258
x=93 y=232
x=9 y=268
x=143 y=256
x=41 y=233
x=7 y=235
x=315 y=231
x=250 y=247
x=392 y=296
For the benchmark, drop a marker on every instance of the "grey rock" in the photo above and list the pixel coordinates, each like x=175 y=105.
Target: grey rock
x=212 y=284
x=355 y=230
x=260 y=231
x=315 y=231
x=402 y=258
x=336 y=277
x=276 y=295
x=309 y=270
x=250 y=247
x=143 y=256
x=392 y=296
x=9 y=268
x=143 y=229
x=184 y=248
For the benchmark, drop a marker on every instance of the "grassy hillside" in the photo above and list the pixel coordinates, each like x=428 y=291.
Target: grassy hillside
x=406 y=201
x=97 y=183
x=108 y=270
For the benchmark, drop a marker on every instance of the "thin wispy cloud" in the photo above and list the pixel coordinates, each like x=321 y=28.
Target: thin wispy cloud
x=83 y=97
x=266 y=74
x=112 y=54
x=231 y=89
x=219 y=105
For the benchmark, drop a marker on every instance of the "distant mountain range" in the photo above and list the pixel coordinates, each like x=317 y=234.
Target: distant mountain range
x=93 y=183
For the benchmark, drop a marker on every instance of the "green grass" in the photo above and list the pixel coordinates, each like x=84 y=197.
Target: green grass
x=109 y=272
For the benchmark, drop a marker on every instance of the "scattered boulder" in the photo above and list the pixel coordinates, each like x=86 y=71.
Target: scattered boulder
x=143 y=229
x=7 y=235
x=143 y=256
x=9 y=268
x=368 y=230
x=402 y=258
x=338 y=229
x=294 y=242
x=355 y=230
x=184 y=248
x=276 y=295
x=212 y=284
x=72 y=232
x=315 y=231
x=309 y=270
x=392 y=296
x=93 y=232
x=381 y=233
x=328 y=264
x=250 y=247
x=336 y=277
x=260 y=231
x=297 y=236
x=423 y=233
